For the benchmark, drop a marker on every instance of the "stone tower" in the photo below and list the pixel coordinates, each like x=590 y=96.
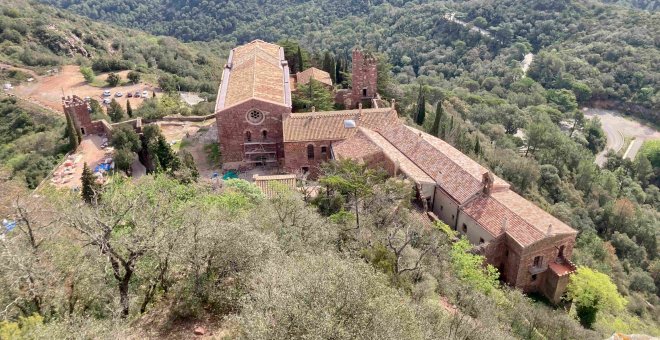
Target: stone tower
x=78 y=110
x=365 y=77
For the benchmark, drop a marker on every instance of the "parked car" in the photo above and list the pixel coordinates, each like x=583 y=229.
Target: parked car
x=137 y=94
x=129 y=95
x=118 y=94
x=106 y=93
x=145 y=94
x=107 y=101
x=88 y=98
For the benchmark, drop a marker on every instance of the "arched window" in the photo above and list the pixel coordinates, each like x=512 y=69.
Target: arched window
x=324 y=152
x=310 y=151
x=248 y=136
x=264 y=134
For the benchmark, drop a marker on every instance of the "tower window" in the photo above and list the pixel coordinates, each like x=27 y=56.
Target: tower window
x=538 y=261
x=364 y=92
x=310 y=151
x=481 y=240
x=248 y=136
x=324 y=151
x=464 y=227
x=264 y=134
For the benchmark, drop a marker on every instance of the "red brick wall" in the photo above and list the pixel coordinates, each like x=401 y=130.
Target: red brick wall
x=364 y=75
x=296 y=156
x=547 y=248
x=232 y=125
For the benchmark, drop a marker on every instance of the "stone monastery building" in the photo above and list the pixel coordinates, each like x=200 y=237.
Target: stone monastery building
x=256 y=127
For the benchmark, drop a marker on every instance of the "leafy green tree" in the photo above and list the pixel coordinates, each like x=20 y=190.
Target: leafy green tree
x=329 y=66
x=89 y=188
x=134 y=76
x=87 y=73
x=124 y=137
x=313 y=94
x=300 y=62
x=592 y=291
x=115 y=111
x=97 y=110
x=113 y=79
x=470 y=267
x=564 y=99
x=123 y=159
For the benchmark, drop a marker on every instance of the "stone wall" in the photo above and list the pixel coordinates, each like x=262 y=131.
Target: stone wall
x=548 y=249
x=296 y=156
x=364 y=77
x=78 y=110
x=233 y=126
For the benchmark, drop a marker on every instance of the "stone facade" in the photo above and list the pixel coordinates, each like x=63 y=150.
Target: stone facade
x=245 y=142
x=298 y=158
x=78 y=110
x=364 y=78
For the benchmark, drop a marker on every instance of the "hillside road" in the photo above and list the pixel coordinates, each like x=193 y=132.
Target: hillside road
x=617 y=127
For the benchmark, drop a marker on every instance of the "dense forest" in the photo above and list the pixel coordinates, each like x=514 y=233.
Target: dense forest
x=284 y=263
x=609 y=51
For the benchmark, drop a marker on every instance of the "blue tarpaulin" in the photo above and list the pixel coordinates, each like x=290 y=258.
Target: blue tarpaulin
x=229 y=175
x=8 y=225
x=105 y=167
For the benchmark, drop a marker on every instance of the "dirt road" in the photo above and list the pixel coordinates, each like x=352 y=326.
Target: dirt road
x=617 y=127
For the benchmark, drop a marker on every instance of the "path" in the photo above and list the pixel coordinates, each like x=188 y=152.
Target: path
x=527 y=60
x=452 y=17
x=617 y=127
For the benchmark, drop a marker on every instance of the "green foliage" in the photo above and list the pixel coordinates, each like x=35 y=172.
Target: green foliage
x=129 y=109
x=472 y=269
x=245 y=188
x=591 y=292
x=420 y=113
x=115 y=111
x=89 y=189
x=71 y=133
x=113 y=79
x=312 y=95
x=213 y=156
x=134 y=77
x=651 y=150
x=124 y=137
x=20 y=329
x=88 y=74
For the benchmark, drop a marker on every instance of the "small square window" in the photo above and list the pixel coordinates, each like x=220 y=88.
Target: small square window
x=534 y=277
x=305 y=169
x=441 y=207
x=481 y=241
x=464 y=227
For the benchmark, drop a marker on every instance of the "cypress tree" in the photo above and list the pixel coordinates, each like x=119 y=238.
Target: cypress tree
x=299 y=57
x=477 y=147
x=421 y=107
x=115 y=112
x=329 y=65
x=129 y=109
x=88 y=191
x=71 y=133
x=439 y=117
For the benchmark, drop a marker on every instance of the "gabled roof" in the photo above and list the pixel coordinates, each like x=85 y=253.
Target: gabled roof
x=255 y=70
x=329 y=126
x=313 y=73
x=456 y=173
x=505 y=211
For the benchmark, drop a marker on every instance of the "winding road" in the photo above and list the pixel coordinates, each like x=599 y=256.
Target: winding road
x=617 y=128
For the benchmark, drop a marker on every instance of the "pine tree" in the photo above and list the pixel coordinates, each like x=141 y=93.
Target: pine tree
x=299 y=56
x=129 y=110
x=439 y=117
x=338 y=77
x=71 y=133
x=89 y=187
x=421 y=108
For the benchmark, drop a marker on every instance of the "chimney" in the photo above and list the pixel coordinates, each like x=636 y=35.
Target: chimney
x=487 y=181
x=549 y=232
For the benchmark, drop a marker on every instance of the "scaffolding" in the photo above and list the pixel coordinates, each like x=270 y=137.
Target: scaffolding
x=260 y=152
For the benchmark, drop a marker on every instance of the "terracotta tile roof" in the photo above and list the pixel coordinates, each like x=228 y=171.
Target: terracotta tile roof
x=456 y=173
x=313 y=72
x=255 y=70
x=329 y=125
x=270 y=185
x=562 y=269
x=505 y=211
x=366 y=143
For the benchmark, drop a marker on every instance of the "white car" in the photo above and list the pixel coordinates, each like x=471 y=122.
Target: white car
x=106 y=93
x=118 y=94
x=107 y=101
x=144 y=94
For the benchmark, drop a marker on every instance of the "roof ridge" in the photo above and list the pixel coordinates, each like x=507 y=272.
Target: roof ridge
x=511 y=192
x=336 y=113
